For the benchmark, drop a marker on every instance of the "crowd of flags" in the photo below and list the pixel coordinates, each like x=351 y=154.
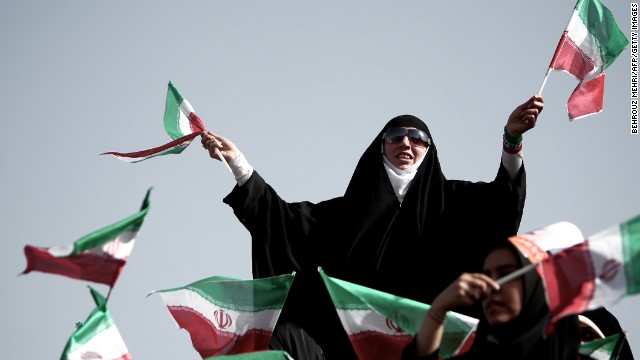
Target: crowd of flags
x=234 y=319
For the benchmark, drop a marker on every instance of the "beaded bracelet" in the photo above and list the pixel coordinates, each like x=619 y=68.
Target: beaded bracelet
x=511 y=144
x=439 y=319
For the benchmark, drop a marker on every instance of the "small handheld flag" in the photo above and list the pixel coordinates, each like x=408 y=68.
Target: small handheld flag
x=590 y=44
x=181 y=124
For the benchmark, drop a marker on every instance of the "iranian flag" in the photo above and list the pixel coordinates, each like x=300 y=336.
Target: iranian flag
x=538 y=243
x=594 y=273
x=589 y=45
x=381 y=325
x=98 y=257
x=98 y=337
x=226 y=316
x=180 y=122
x=604 y=349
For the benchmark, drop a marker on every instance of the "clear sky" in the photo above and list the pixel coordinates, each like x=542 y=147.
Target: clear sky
x=301 y=87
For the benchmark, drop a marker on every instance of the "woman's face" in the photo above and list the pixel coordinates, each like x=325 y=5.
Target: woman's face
x=504 y=305
x=402 y=152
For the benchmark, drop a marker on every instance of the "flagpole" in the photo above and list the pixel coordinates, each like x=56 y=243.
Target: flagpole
x=108 y=294
x=546 y=76
x=223 y=159
x=505 y=279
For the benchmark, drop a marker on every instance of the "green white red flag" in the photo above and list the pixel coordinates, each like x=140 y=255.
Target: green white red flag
x=604 y=349
x=594 y=273
x=98 y=337
x=180 y=122
x=381 y=325
x=98 y=257
x=590 y=44
x=226 y=316
x=538 y=243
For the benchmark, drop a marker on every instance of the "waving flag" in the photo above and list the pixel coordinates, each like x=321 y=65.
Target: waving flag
x=180 y=122
x=227 y=316
x=98 y=337
x=381 y=325
x=98 y=257
x=594 y=273
x=603 y=349
x=589 y=45
x=537 y=243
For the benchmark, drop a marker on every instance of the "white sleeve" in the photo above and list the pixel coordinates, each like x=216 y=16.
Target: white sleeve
x=241 y=169
x=512 y=162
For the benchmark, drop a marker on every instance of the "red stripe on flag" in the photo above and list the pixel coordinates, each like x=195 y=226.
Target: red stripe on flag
x=587 y=98
x=372 y=345
x=196 y=123
x=210 y=341
x=570 y=58
x=144 y=153
x=85 y=266
x=569 y=281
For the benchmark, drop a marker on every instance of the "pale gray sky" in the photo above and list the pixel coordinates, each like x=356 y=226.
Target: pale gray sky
x=301 y=87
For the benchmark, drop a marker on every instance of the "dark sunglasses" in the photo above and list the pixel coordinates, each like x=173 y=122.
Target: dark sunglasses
x=416 y=137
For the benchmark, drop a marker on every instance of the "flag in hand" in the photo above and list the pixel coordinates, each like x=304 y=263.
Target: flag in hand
x=98 y=257
x=594 y=273
x=180 y=122
x=589 y=45
x=98 y=337
x=381 y=325
x=226 y=316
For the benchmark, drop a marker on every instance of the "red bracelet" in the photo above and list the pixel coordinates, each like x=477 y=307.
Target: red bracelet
x=439 y=319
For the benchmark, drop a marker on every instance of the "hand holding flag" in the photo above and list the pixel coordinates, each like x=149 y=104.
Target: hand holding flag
x=591 y=274
x=589 y=45
x=381 y=325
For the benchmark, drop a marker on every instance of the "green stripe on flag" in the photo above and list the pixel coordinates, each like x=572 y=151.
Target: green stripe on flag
x=608 y=347
x=98 y=321
x=258 y=355
x=129 y=224
x=172 y=113
x=630 y=233
x=603 y=27
x=406 y=313
x=242 y=295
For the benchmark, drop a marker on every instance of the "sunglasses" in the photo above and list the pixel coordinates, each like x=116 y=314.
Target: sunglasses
x=416 y=137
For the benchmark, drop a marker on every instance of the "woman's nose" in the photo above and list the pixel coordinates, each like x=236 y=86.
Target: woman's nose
x=406 y=141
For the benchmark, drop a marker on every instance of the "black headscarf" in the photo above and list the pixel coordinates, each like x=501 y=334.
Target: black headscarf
x=522 y=338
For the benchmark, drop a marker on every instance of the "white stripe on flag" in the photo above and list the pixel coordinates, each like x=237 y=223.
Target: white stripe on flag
x=611 y=281
x=241 y=321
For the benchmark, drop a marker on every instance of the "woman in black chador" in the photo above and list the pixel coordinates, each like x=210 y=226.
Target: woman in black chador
x=400 y=227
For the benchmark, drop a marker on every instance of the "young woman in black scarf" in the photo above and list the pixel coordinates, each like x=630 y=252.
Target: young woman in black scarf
x=400 y=222
x=514 y=317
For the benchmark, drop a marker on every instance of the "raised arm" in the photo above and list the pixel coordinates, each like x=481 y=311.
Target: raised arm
x=463 y=292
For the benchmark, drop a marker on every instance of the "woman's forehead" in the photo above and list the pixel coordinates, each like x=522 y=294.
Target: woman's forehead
x=500 y=258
